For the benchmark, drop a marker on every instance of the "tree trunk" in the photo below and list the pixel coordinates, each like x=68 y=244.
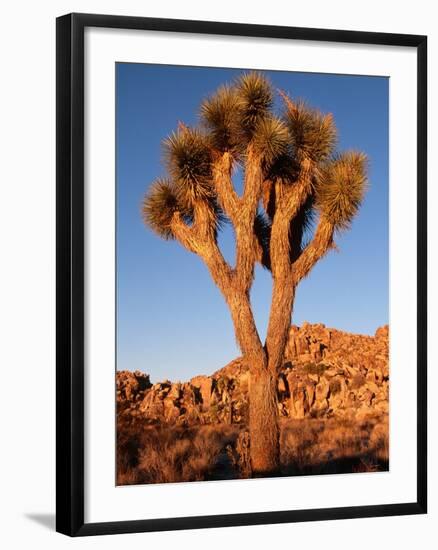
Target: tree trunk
x=283 y=295
x=263 y=423
x=263 y=411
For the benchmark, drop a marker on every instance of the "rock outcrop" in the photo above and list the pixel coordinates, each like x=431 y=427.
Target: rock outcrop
x=326 y=372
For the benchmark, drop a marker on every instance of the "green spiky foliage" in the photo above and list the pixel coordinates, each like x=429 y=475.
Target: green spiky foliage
x=284 y=168
x=255 y=96
x=188 y=159
x=341 y=188
x=220 y=115
x=313 y=134
x=234 y=113
x=301 y=227
x=270 y=140
x=262 y=231
x=239 y=116
x=159 y=206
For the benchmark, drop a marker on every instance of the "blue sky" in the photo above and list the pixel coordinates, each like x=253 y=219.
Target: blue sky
x=171 y=319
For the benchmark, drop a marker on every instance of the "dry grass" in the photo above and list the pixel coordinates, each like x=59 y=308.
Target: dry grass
x=151 y=454
x=314 y=446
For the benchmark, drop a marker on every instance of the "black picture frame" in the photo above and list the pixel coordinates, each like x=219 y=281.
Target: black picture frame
x=70 y=273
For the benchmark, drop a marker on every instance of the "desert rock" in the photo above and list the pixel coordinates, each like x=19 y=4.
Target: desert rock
x=326 y=372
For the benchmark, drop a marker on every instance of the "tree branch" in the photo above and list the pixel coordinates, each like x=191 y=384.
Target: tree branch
x=220 y=270
x=299 y=192
x=246 y=243
x=196 y=240
x=204 y=223
x=289 y=199
x=227 y=196
x=321 y=243
x=247 y=335
x=200 y=240
x=288 y=202
x=283 y=292
x=252 y=186
x=184 y=233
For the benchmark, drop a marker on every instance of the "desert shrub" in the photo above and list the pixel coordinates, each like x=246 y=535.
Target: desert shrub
x=296 y=441
x=380 y=441
x=129 y=430
x=214 y=412
x=335 y=386
x=313 y=446
x=224 y=383
x=315 y=368
x=160 y=454
x=154 y=454
x=239 y=454
x=241 y=411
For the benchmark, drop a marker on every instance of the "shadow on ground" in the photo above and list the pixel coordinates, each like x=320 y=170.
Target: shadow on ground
x=46 y=520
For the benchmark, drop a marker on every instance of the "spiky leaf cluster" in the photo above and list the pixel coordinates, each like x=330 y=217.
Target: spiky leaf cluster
x=340 y=188
x=159 y=205
x=313 y=134
x=284 y=167
x=255 y=96
x=239 y=119
x=233 y=114
x=220 y=114
x=215 y=213
x=301 y=226
x=262 y=231
x=270 y=139
x=188 y=159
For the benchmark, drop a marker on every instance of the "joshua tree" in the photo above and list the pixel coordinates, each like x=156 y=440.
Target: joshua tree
x=291 y=175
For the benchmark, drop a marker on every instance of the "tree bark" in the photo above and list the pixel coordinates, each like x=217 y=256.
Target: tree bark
x=283 y=294
x=245 y=328
x=263 y=410
x=263 y=423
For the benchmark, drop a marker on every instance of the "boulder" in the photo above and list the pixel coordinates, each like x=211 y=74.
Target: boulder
x=298 y=403
x=205 y=386
x=321 y=393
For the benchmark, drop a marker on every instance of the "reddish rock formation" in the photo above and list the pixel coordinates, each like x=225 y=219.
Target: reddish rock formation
x=326 y=372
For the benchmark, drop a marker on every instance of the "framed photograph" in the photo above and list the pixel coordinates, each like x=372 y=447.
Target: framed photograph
x=241 y=274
